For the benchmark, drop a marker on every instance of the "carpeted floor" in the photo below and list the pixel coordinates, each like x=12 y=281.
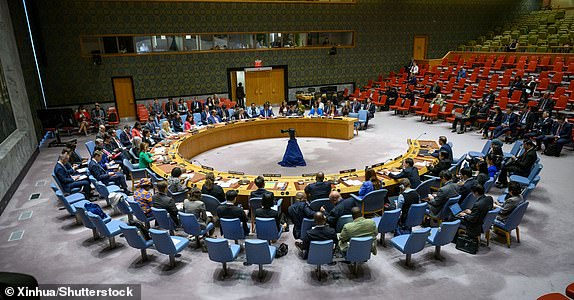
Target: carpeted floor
x=55 y=250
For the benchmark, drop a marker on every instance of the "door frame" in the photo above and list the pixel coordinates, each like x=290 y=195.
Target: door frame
x=426 y=37
x=133 y=95
x=285 y=78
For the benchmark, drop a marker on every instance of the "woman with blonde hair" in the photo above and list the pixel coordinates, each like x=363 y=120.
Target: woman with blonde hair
x=165 y=131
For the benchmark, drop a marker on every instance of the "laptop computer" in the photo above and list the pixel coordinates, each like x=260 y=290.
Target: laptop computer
x=455 y=209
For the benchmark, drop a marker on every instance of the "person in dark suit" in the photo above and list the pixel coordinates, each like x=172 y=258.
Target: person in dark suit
x=473 y=218
x=229 y=210
x=240 y=94
x=196 y=106
x=320 y=232
x=104 y=176
x=319 y=189
x=68 y=181
x=298 y=211
x=240 y=114
x=266 y=210
x=520 y=165
x=222 y=112
x=448 y=190
x=126 y=137
x=214 y=118
x=443 y=164
x=170 y=107
x=177 y=123
x=546 y=103
x=465 y=183
x=205 y=114
x=155 y=108
x=355 y=106
x=98 y=115
x=371 y=108
x=527 y=120
x=444 y=147
x=266 y=112
x=561 y=134
x=494 y=120
x=260 y=184
x=342 y=207
x=252 y=111
x=406 y=199
x=211 y=188
x=489 y=97
x=433 y=91
x=508 y=124
x=541 y=129
x=409 y=171
x=468 y=115
x=163 y=201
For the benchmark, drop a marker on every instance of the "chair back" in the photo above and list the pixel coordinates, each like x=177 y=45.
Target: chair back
x=416 y=214
x=342 y=221
x=323 y=202
x=211 y=203
x=219 y=250
x=138 y=211
x=486 y=148
x=489 y=219
x=266 y=229
x=374 y=201
x=515 y=216
x=305 y=226
x=197 y=119
x=535 y=171
x=257 y=252
x=177 y=197
x=488 y=185
x=445 y=234
x=90 y=145
x=102 y=189
x=81 y=212
x=162 y=241
x=54 y=187
x=363 y=115
x=58 y=182
x=118 y=133
x=526 y=192
x=255 y=203
x=163 y=219
x=99 y=224
x=389 y=221
x=359 y=249
x=124 y=207
x=128 y=164
x=132 y=235
x=445 y=211
x=320 y=252
x=417 y=241
x=424 y=188
x=189 y=223
x=516 y=147
x=232 y=229
x=468 y=202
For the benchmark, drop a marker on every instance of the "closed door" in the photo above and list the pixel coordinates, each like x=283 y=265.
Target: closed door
x=277 y=85
x=263 y=86
x=420 y=47
x=125 y=99
x=252 y=87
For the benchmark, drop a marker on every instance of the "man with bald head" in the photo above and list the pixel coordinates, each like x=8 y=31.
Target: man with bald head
x=360 y=227
x=298 y=211
x=342 y=207
x=319 y=189
x=320 y=232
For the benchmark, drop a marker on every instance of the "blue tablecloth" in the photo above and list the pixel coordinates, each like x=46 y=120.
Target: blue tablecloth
x=293 y=156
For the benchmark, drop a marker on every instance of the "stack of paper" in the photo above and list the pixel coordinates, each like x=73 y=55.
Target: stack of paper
x=158 y=150
x=353 y=182
x=421 y=164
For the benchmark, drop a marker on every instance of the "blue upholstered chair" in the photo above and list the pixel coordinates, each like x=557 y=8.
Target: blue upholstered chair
x=74 y=190
x=483 y=153
x=443 y=235
x=525 y=181
x=387 y=223
x=139 y=213
x=118 y=133
x=124 y=208
x=425 y=187
x=359 y=251
x=191 y=226
x=163 y=219
x=323 y=202
x=197 y=119
x=267 y=229
x=363 y=118
x=344 y=219
x=167 y=244
x=515 y=149
x=512 y=222
x=178 y=196
x=468 y=202
x=81 y=214
x=445 y=212
x=305 y=226
x=232 y=229
x=109 y=229
x=372 y=202
x=412 y=243
x=135 y=239
x=135 y=173
x=90 y=146
x=320 y=253
x=487 y=223
x=71 y=198
x=259 y=253
x=488 y=185
x=416 y=215
x=105 y=190
x=70 y=207
x=211 y=203
x=220 y=251
x=254 y=204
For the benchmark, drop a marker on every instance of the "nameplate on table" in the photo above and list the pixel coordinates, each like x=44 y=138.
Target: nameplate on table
x=347 y=171
x=207 y=168
x=194 y=132
x=377 y=165
x=236 y=173
x=337 y=118
x=309 y=174
x=271 y=175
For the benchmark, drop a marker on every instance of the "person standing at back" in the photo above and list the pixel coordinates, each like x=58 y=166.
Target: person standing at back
x=319 y=189
x=240 y=94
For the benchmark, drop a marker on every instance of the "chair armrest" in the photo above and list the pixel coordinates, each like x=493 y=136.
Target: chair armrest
x=357 y=197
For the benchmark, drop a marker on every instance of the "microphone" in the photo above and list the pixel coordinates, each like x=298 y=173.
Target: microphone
x=196 y=161
x=418 y=137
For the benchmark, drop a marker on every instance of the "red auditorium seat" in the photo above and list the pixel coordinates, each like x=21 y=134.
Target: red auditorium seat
x=420 y=108
x=433 y=114
x=570 y=290
x=447 y=111
x=405 y=108
x=553 y=296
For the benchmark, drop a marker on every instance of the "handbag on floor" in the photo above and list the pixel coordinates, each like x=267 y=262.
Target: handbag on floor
x=282 y=250
x=467 y=244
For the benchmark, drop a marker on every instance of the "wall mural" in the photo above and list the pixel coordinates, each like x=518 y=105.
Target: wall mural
x=7 y=122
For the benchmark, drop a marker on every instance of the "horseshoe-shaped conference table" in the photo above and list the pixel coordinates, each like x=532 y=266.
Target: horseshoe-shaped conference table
x=179 y=151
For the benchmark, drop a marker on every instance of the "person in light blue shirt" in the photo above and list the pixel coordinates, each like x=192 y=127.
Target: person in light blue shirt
x=316 y=111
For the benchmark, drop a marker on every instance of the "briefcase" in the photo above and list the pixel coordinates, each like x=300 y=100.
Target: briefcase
x=467 y=244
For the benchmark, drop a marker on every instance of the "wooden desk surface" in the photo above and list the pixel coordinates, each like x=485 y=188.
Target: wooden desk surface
x=179 y=152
